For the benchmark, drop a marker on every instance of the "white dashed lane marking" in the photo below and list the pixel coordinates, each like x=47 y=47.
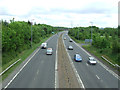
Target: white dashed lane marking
x=97 y=77
x=37 y=72
x=86 y=64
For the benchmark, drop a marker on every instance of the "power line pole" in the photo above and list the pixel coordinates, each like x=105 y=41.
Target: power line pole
x=91 y=31
x=31 y=32
x=78 y=32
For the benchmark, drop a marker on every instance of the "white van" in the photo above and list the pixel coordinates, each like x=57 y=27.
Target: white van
x=44 y=45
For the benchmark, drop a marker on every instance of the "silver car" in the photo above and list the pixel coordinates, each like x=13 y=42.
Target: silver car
x=49 y=51
x=92 y=60
x=70 y=48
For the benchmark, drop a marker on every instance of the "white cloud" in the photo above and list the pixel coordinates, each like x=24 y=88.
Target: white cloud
x=61 y=12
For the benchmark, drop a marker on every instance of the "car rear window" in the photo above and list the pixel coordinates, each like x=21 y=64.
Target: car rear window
x=78 y=57
x=49 y=50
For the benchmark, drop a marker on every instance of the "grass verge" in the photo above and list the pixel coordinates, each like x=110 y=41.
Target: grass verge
x=77 y=41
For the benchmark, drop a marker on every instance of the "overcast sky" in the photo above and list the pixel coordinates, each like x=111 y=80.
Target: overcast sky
x=67 y=13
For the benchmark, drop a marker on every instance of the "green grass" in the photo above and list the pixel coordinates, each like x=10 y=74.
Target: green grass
x=23 y=55
x=92 y=50
x=78 y=41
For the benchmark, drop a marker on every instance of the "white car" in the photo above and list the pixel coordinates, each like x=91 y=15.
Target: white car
x=92 y=60
x=70 y=48
x=49 y=51
x=44 y=45
x=70 y=40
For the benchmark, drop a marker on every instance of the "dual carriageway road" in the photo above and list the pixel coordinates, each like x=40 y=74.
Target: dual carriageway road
x=40 y=70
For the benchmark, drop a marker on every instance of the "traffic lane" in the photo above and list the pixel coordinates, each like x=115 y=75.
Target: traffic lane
x=52 y=43
x=86 y=75
x=93 y=69
x=36 y=74
x=73 y=44
x=41 y=67
x=105 y=76
x=47 y=77
x=88 y=78
x=101 y=73
x=49 y=73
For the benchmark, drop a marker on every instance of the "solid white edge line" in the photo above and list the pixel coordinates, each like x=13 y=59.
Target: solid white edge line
x=56 y=68
x=74 y=69
x=24 y=65
x=21 y=69
x=105 y=67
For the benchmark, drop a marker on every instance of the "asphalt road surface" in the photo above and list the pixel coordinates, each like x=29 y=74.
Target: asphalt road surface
x=40 y=71
x=92 y=76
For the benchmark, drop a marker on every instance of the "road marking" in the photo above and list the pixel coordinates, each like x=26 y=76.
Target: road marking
x=42 y=61
x=23 y=67
x=86 y=64
x=37 y=71
x=105 y=67
x=74 y=69
x=97 y=77
x=56 y=68
x=34 y=79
